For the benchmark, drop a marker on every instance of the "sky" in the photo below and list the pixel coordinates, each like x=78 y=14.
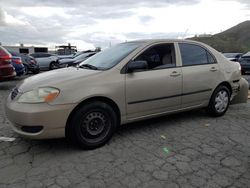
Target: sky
x=102 y=23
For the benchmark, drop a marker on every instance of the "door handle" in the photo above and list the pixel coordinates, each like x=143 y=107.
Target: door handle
x=175 y=74
x=213 y=69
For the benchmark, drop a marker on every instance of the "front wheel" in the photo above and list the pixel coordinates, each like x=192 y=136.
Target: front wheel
x=26 y=69
x=219 y=101
x=92 y=125
x=36 y=71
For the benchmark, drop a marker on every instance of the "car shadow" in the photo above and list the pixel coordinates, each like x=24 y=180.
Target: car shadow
x=63 y=145
x=162 y=121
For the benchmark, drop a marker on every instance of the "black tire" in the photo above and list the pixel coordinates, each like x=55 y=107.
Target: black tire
x=92 y=125
x=26 y=69
x=53 y=65
x=36 y=71
x=218 y=104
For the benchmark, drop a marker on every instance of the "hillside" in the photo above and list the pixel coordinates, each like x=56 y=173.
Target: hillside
x=235 y=39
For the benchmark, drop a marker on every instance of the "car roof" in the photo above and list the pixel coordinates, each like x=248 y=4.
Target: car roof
x=42 y=53
x=162 y=40
x=152 y=41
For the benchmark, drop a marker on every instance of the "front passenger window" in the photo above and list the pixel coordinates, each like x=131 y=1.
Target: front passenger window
x=159 y=56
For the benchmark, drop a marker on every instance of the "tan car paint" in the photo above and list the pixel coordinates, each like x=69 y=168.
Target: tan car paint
x=78 y=85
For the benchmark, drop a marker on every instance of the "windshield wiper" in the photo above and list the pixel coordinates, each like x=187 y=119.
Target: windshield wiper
x=88 y=66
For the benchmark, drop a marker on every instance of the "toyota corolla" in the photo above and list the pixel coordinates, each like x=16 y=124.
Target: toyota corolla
x=128 y=82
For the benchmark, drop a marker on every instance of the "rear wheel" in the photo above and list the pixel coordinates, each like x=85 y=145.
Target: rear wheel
x=219 y=101
x=53 y=65
x=92 y=125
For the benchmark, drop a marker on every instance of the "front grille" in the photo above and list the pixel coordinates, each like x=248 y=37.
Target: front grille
x=14 y=93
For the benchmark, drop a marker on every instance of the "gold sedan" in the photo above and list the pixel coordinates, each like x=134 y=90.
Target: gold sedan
x=129 y=82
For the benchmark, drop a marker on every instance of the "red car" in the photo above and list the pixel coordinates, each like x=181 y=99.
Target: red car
x=6 y=69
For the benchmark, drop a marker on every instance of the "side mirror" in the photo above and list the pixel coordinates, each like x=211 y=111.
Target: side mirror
x=136 y=65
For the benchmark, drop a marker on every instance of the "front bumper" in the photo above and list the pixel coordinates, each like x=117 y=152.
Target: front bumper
x=51 y=118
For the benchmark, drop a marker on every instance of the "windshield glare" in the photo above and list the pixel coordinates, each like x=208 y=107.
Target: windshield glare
x=112 y=56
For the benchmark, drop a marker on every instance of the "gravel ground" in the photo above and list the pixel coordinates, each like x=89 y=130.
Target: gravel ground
x=187 y=149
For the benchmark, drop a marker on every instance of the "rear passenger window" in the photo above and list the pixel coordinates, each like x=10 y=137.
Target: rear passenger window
x=45 y=55
x=194 y=55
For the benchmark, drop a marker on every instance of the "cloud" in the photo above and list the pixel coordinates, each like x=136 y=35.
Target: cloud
x=2 y=18
x=99 y=23
x=146 y=19
x=244 y=2
x=96 y=3
x=86 y=23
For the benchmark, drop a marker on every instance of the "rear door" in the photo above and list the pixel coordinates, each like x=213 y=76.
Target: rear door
x=44 y=60
x=201 y=74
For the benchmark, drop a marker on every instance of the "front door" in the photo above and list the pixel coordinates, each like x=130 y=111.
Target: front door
x=158 y=88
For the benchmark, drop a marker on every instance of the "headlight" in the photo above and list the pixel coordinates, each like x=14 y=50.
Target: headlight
x=40 y=95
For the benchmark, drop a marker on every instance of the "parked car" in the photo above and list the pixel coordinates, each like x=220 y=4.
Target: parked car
x=29 y=63
x=74 y=55
x=18 y=65
x=74 y=61
x=46 y=61
x=233 y=56
x=128 y=82
x=66 y=56
x=245 y=63
x=6 y=69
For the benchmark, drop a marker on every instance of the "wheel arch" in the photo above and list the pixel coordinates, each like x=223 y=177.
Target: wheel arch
x=227 y=84
x=97 y=98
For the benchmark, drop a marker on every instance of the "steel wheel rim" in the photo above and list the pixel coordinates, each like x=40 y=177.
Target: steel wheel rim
x=95 y=126
x=221 y=101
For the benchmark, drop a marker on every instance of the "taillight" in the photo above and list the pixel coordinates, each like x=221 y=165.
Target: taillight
x=17 y=60
x=5 y=60
x=33 y=61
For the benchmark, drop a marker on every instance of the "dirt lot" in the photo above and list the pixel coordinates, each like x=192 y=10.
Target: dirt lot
x=184 y=150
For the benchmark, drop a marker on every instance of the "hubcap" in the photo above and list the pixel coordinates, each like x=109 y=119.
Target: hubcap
x=221 y=101
x=95 y=126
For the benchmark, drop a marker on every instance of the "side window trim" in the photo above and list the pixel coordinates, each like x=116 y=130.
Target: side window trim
x=206 y=50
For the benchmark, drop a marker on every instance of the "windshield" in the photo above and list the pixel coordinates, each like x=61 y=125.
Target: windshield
x=112 y=56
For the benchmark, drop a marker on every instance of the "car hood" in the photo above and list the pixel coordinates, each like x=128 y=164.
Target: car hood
x=55 y=78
